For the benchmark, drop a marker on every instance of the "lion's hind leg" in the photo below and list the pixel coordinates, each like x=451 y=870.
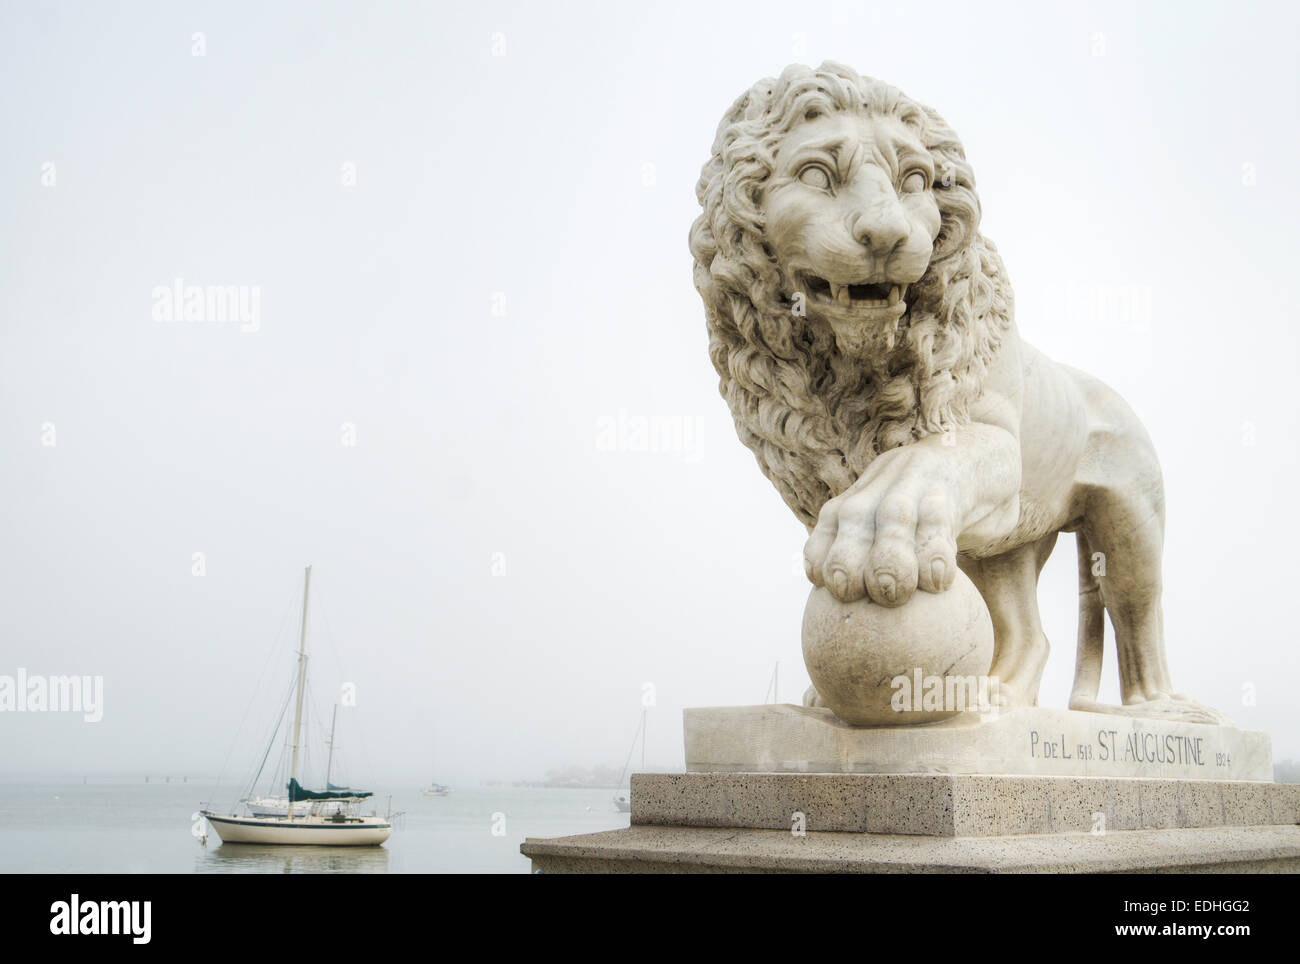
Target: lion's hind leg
x=1092 y=629
x=1120 y=547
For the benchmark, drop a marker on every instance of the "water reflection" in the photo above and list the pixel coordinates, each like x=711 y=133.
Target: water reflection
x=260 y=859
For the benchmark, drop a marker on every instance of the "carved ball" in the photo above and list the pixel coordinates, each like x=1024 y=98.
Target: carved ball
x=855 y=651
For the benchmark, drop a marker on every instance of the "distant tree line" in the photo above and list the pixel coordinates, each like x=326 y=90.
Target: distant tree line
x=576 y=776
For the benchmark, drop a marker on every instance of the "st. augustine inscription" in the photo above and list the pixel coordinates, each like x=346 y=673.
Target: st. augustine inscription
x=1029 y=741
x=1137 y=747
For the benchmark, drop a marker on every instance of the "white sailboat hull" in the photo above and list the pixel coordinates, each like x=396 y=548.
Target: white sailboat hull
x=358 y=832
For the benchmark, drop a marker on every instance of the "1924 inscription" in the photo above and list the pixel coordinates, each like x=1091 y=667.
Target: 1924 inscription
x=1136 y=747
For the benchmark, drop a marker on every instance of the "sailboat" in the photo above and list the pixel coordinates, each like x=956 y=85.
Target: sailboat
x=623 y=798
x=774 y=684
x=435 y=789
x=311 y=817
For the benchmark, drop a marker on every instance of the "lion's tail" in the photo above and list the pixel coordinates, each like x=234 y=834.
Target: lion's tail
x=1092 y=630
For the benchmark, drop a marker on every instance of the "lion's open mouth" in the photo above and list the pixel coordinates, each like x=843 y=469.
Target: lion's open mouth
x=882 y=295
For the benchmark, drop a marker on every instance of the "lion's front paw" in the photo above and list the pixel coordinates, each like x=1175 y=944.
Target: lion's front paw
x=889 y=533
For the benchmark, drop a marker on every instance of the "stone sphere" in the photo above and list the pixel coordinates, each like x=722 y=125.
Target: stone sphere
x=855 y=651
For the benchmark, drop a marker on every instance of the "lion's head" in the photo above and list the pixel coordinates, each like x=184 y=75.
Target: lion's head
x=853 y=305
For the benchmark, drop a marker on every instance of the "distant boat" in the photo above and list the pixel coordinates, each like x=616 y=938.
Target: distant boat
x=623 y=798
x=311 y=817
x=436 y=789
x=278 y=806
x=774 y=685
x=267 y=806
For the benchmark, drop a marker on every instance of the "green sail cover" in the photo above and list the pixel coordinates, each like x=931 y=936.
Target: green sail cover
x=298 y=794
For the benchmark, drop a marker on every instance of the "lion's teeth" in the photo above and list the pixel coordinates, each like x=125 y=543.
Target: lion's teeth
x=842 y=296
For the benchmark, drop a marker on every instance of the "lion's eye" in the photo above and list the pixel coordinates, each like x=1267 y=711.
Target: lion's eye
x=814 y=175
x=914 y=183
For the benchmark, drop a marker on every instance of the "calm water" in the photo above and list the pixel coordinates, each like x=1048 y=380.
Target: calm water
x=120 y=827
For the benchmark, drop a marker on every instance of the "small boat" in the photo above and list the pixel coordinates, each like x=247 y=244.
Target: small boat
x=278 y=806
x=435 y=789
x=260 y=806
x=774 y=685
x=623 y=798
x=327 y=817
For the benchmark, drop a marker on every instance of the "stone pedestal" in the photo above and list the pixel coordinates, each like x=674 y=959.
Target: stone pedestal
x=1031 y=741
x=1105 y=799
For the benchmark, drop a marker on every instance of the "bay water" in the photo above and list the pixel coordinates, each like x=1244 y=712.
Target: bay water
x=128 y=826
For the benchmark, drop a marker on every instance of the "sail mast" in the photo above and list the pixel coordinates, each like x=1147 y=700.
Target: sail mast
x=329 y=764
x=302 y=675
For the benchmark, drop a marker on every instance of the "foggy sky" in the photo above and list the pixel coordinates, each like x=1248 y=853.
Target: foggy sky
x=498 y=303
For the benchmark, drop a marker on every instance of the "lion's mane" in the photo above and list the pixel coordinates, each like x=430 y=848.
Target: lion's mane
x=814 y=417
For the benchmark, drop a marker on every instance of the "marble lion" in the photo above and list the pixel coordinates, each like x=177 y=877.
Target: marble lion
x=862 y=328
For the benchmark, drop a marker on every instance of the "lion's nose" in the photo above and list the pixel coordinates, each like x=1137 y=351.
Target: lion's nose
x=882 y=230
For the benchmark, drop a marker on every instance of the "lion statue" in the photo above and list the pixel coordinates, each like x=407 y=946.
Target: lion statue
x=863 y=332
